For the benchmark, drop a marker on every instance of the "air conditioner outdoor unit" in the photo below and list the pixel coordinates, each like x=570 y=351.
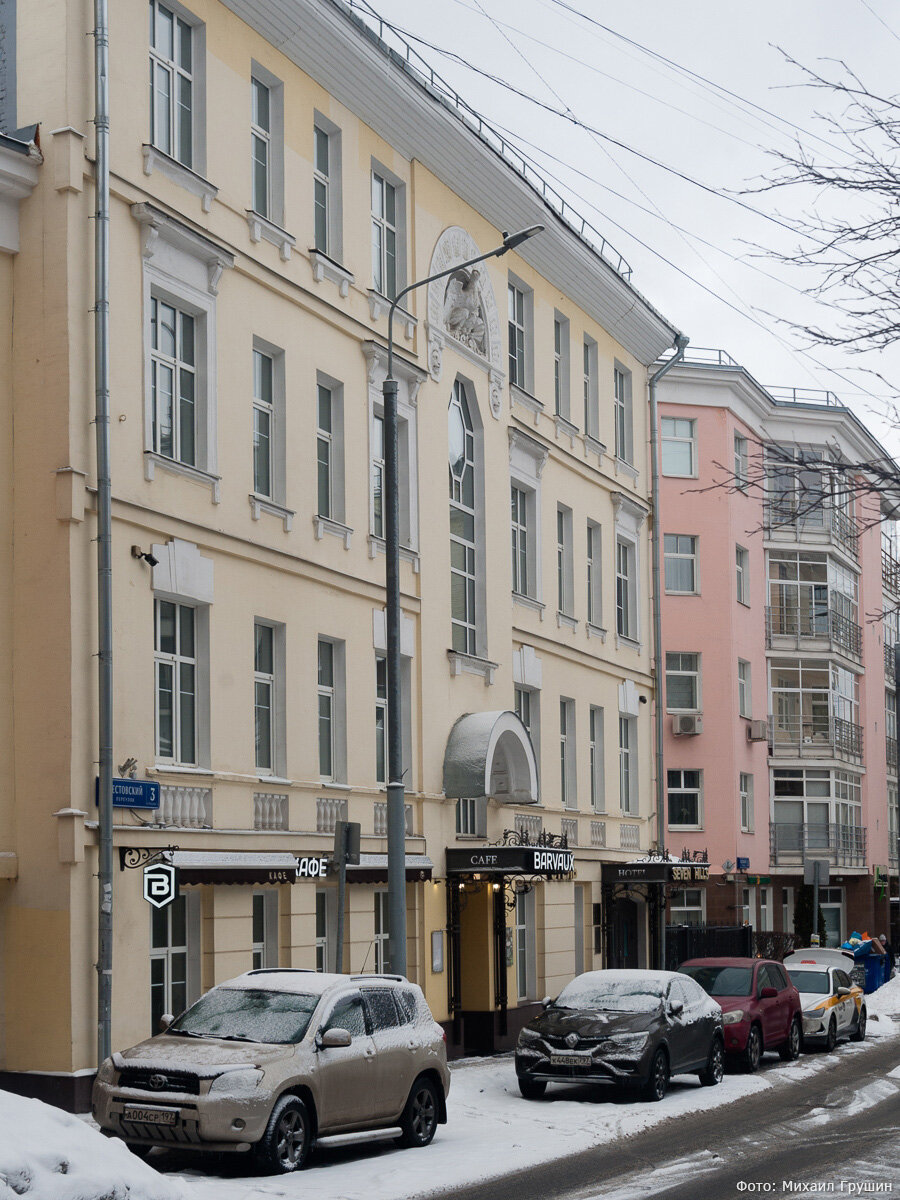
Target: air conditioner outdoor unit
x=757 y=731
x=687 y=724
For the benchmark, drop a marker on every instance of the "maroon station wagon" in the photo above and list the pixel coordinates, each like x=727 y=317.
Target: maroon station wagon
x=760 y=1006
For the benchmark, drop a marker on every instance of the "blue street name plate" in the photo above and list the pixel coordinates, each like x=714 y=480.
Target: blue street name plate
x=131 y=793
x=743 y=864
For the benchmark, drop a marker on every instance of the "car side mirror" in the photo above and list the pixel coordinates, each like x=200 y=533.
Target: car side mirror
x=676 y=1008
x=768 y=993
x=165 y=1021
x=333 y=1039
x=844 y=991
x=546 y=1002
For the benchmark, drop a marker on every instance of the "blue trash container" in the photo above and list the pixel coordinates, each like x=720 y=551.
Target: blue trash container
x=874 y=964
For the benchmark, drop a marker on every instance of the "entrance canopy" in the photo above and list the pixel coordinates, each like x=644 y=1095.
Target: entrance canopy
x=490 y=754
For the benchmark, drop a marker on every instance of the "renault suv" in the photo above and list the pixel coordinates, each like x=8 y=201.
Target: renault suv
x=274 y=1060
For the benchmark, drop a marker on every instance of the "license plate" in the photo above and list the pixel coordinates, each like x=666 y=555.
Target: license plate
x=150 y=1116
x=570 y=1060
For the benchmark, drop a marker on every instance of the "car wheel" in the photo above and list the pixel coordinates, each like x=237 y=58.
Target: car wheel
x=420 y=1116
x=715 y=1064
x=831 y=1036
x=532 y=1089
x=658 y=1081
x=138 y=1150
x=790 y=1051
x=753 y=1050
x=285 y=1144
x=859 y=1033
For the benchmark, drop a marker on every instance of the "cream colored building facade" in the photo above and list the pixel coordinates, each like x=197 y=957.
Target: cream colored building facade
x=274 y=184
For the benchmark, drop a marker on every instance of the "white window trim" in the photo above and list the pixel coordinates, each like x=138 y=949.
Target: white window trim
x=673 y=438
x=696 y=675
x=594 y=577
x=745 y=689
x=568 y=743
x=268 y=948
x=198 y=96
x=591 y=389
x=400 y=223
x=278 y=769
x=630 y=803
x=275 y=87
x=630 y=517
x=337 y=482
x=338 y=693
x=527 y=459
x=277 y=451
x=623 y=453
x=409 y=378
x=597 y=760
x=741 y=462
x=742 y=591
x=748 y=825
x=699 y=824
x=479 y=618
x=562 y=392
x=527 y=384
x=676 y=554
x=334 y=198
x=565 y=563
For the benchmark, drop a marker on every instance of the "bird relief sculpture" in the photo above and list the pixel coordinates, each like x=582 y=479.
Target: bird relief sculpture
x=463 y=315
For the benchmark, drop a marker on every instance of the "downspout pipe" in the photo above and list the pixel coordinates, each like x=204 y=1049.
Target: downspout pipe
x=681 y=343
x=104 y=530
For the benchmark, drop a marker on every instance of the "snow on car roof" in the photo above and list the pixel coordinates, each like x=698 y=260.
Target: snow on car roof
x=621 y=974
x=294 y=979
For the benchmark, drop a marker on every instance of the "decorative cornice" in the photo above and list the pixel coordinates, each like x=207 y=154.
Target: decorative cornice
x=263 y=229
x=156 y=160
x=376 y=360
x=157 y=224
x=18 y=179
x=324 y=267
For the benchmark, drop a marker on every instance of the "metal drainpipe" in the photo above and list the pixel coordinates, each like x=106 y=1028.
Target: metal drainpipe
x=104 y=529
x=681 y=343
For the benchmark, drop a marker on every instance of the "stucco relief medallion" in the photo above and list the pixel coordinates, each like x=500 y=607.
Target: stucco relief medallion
x=462 y=309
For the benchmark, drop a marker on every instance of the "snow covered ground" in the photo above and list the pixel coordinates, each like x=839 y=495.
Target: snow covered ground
x=490 y=1129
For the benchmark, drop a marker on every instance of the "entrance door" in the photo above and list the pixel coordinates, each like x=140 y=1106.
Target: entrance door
x=624 y=949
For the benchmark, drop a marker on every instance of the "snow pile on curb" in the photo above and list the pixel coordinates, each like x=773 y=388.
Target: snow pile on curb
x=48 y=1154
x=883 y=1004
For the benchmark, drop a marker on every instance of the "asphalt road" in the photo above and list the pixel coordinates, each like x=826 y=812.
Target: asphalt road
x=838 y=1128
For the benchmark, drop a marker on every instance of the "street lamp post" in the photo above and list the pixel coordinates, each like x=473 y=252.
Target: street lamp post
x=396 y=795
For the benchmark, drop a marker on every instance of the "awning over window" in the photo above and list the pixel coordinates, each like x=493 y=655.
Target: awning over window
x=490 y=754
x=373 y=868
x=223 y=866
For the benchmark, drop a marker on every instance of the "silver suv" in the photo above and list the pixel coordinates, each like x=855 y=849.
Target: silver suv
x=275 y=1060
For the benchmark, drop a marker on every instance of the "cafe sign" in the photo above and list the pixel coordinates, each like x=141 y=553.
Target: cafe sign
x=549 y=861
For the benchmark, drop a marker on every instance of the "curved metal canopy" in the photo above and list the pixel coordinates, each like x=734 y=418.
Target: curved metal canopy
x=490 y=754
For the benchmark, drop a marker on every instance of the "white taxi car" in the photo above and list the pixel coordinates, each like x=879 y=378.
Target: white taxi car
x=833 y=1005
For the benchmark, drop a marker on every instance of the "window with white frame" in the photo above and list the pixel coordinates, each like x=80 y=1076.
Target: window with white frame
x=765 y=909
x=168 y=960
x=787 y=909
x=528 y=710
x=628 y=783
x=680 y=564
x=742 y=574
x=745 y=698
x=746 y=910
x=519 y=533
x=466 y=583
x=330 y=450
x=261 y=147
x=561 y=351
x=382 y=932
x=745 y=790
x=381 y=720
x=173 y=382
x=407 y=464
x=332 y=711
x=518 y=335
x=682 y=682
x=175 y=646
x=597 y=773
x=893 y=821
x=264 y=696
x=324 y=953
x=265 y=929
x=264 y=423
x=526 y=463
x=526 y=948
x=378 y=475
x=387 y=233
x=594 y=575
x=626 y=584
x=324 y=452
x=173 y=99
x=565 y=566
x=683 y=788
x=567 y=764
x=623 y=414
x=471 y=817
x=590 y=388
x=687 y=906
x=678 y=446
x=327 y=172
x=741 y=463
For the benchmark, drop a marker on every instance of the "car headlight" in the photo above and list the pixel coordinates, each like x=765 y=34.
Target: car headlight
x=817 y=1008
x=107 y=1072
x=734 y=1017
x=630 y=1041
x=528 y=1035
x=236 y=1083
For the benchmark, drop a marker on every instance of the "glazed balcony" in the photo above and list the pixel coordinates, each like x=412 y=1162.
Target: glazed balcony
x=815 y=737
x=789 y=628
x=890 y=572
x=791 y=843
x=812 y=522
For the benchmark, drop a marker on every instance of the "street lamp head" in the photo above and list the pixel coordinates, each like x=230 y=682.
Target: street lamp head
x=511 y=240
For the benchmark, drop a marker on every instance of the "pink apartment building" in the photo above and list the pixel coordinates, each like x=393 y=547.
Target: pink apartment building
x=780 y=587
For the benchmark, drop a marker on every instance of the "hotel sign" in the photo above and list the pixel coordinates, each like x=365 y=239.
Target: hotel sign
x=511 y=860
x=655 y=872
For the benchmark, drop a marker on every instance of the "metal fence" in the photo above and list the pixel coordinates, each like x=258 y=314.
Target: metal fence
x=707 y=941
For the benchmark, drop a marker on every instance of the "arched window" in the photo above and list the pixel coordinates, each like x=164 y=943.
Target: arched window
x=465 y=569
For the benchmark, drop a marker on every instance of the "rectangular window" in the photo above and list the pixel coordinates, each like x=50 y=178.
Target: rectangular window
x=526 y=956
x=561 y=400
x=590 y=392
x=745 y=788
x=471 y=817
x=678 y=445
x=517 y=335
x=326 y=709
x=680 y=563
x=682 y=682
x=741 y=463
x=381 y=725
x=623 y=414
x=684 y=795
x=324 y=452
x=598 y=796
x=323 y=947
x=385 y=227
x=765 y=909
x=626 y=601
x=264 y=696
x=628 y=793
x=168 y=960
x=171 y=84
x=265 y=929
x=382 y=933
x=173 y=382
x=686 y=907
x=378 y=476
x=176 y=683
x=745 y=698
x=321 y=189
x=567 y=766
x=519 y=527
x=261 y=150
x=565 y=568
x=742 y=571
x=594 y=576
x=528 y=710
x=263 y=423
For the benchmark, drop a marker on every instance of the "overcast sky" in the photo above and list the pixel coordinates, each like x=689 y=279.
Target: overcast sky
x=565 y=61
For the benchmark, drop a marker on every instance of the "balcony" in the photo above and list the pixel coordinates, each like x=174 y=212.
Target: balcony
x=790 y=628
x=792 y=843
x=889 y=665
x=890 y=572
x=891 y=746
x=815 y=737
x=812 y=520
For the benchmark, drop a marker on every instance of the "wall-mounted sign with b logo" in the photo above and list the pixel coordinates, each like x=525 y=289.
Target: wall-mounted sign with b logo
x=160 y=884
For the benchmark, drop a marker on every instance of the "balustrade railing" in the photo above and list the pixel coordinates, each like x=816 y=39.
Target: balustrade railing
x=793 y=841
